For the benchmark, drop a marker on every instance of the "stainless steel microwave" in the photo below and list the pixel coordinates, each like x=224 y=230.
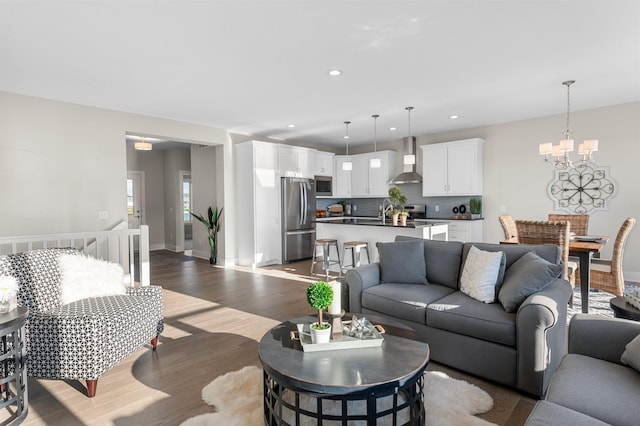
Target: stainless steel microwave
x=324 y=186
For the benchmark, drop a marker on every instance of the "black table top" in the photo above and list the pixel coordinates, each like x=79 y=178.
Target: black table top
x=16 y=316
x=339 y=372
x=620 y=306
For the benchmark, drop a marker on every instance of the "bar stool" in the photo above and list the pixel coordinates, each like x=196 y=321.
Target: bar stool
x=326 y=244
x=355 y=247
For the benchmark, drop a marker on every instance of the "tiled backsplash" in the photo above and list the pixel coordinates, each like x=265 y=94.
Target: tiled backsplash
x=369 y=206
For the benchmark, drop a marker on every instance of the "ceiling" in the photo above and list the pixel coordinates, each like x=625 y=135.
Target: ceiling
x=254 y=67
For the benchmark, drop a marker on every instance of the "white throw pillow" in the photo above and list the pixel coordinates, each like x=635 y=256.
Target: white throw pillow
x=480 y=274
x=84 y=277
x=631 y=355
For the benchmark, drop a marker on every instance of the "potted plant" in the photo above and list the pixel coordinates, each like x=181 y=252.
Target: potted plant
x=398 y=200
x=212 y=223
x=475 y=206
x=320 y=296
x=403 y=217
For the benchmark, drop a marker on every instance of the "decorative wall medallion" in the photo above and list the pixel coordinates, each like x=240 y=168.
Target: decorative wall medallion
x=582 y=189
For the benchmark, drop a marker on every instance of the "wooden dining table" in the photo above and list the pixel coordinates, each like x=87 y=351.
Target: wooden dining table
x=583 y=250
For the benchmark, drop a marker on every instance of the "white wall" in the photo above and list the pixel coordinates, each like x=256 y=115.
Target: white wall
x=61 y=163
x=175 y=159
x=203 y=178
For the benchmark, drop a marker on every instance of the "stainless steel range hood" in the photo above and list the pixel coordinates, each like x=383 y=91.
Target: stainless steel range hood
x=409 y=174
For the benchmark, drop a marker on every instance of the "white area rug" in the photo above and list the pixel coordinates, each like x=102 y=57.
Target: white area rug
x=238 y=398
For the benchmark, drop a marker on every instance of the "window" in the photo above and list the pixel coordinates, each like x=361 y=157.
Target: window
x=130 y=207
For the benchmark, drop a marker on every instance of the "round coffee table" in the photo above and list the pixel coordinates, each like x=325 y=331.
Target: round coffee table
x=621 y=309
x=364 y=384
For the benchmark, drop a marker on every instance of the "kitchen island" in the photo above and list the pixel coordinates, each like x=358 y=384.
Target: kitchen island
x=373 y=230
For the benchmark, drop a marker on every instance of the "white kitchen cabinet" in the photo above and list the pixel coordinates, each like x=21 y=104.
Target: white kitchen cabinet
x=452 y=168
x=368 y=182
x=258 y=204
x=341 y=178
x=465 y=231
x=323 y=163
x=296 y=161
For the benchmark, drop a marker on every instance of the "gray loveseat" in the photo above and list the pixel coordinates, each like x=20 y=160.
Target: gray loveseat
x=591 y=386
x=520 y=349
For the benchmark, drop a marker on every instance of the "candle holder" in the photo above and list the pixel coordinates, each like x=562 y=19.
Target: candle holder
x=336 y=325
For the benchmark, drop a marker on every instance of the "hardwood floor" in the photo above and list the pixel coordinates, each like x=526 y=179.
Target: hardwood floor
x=214 y=319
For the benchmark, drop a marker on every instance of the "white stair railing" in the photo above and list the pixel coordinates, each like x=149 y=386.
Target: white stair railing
x=116 y=246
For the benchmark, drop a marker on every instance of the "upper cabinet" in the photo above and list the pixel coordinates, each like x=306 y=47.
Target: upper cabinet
x=370 y=182
x=341 y=177
x=452 y=168
x=323 y=163
x=296 y=161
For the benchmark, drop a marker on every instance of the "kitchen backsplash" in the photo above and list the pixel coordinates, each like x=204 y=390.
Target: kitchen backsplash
x=369 y=206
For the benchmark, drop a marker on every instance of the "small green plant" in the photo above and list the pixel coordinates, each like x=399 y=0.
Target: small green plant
x=475 y=205
x=212 y=223
x=320 y=296
x=398 y=199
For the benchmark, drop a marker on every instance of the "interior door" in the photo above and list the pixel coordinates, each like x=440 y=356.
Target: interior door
x=135 y=198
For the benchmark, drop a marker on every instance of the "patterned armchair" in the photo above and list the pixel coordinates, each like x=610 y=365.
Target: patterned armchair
x=84 y=339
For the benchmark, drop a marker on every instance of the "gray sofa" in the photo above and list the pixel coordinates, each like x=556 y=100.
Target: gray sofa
x=520 y=349
x=591 y=386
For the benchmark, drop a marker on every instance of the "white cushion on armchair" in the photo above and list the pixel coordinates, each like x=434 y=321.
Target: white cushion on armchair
x=84 y=277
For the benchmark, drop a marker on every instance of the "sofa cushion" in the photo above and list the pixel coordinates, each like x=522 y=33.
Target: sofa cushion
x=547 y=413
x=402 y=262
x=513 y=252
x=461 y=314
x=38 y=276
x=526 y=276
x=84 y=276
x=442 y=259
x=480 y=274
x=631 y=354
x=405 y=301
x=597 y=388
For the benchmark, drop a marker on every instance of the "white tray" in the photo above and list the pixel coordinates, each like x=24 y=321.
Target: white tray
x=345 y=342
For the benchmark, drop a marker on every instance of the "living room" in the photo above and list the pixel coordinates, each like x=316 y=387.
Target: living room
x=63 y=159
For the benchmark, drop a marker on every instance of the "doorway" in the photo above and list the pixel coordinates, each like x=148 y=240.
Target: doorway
x=187 y=203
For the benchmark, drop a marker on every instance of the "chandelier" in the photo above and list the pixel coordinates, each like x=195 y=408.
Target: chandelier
x=560 y=152
x=347 y=165
x=143 y=145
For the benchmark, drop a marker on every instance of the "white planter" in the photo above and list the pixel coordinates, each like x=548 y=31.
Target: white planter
x=320 y=336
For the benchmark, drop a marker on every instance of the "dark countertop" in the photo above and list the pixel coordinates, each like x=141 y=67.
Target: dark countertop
x=375 y=222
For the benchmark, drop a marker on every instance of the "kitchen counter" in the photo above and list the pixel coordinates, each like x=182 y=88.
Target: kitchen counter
x=372 y=231
x=372 y=221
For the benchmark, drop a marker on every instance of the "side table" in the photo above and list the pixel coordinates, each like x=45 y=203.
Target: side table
x=621 y=309
x=13 y=369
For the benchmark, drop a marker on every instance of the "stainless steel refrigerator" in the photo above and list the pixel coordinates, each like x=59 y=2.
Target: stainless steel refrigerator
x=298 y=218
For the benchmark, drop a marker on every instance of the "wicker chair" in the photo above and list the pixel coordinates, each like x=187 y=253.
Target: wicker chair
x=579 y=222
x=606 y=275
x=549 y=232
x=509 y=228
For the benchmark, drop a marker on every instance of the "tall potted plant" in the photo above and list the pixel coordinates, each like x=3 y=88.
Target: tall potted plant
x=320 y=296
x=475 y=205
x=212 y=223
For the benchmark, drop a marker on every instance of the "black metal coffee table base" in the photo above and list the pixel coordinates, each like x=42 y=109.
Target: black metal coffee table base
x=397 y=405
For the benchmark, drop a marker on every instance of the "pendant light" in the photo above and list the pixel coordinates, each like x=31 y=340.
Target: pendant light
x=347 y=165
x=564 y=147
x=409 y=158
x=375 y=162
x=143 y=145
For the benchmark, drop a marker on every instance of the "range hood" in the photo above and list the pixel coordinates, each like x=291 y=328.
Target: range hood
x=409 y=174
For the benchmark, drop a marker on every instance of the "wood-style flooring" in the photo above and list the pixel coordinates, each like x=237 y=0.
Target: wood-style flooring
x=214 y=318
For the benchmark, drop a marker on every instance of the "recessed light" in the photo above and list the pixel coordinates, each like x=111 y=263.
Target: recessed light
x=291 y=126
x=453 y=117
x=393 y=129
x=335 y=72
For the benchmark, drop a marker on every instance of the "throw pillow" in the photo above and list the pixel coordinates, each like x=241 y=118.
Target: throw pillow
x=528 y=275
x=480 y=274
x=631 y=354
x=402 y=262
x=84 y=277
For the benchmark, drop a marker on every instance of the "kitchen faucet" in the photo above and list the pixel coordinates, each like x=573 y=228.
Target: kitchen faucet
x=385 y=209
